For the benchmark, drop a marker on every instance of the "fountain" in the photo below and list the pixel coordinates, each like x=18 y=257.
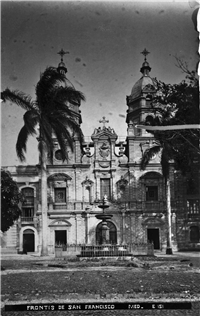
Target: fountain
x=104 y=217
x=106 y=249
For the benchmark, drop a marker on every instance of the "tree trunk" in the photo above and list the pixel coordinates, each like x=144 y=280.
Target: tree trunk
x=44 y=206
x=169 y=221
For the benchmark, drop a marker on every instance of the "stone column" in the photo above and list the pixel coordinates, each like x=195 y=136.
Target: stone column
x=85 y=216
x=76 y=229
x=123 y=227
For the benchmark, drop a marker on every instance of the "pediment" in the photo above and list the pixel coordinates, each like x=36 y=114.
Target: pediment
x=60 y=222
x=153 y=220
x=106 y=132
x=59 y=177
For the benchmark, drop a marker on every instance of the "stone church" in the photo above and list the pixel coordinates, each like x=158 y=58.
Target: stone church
x=106 y=166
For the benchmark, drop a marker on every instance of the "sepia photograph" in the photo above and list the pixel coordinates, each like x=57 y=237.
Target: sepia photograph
x=100 y=158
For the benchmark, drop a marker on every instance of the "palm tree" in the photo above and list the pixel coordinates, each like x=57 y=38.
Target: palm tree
x=163 y=144
x=49 y=112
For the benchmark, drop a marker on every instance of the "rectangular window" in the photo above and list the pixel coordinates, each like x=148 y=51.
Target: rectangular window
x=151 y=193
x=105 y=188
x=60 y=195
x=28 y=205
x=27 y=212
x=28 y=194
x=193 y=206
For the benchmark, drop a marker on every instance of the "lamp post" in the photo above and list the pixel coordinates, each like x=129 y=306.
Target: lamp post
x=2 y=99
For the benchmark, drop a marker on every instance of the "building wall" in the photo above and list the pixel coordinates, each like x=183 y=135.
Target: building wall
x=74 y=190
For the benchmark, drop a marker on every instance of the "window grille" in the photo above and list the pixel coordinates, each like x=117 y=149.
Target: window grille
x=193 y=206
x=151 y=193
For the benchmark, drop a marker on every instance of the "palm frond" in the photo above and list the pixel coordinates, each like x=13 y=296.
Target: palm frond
x=69 y=122
x=148 y=155
x=31 y=119
x=64 y=138
x=69 y=94
x=19 y=98
x=49 y=79
x=21 y=143
x=46 y=132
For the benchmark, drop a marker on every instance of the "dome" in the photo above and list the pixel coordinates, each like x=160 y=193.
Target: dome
x=145 y=82
x=140 y=85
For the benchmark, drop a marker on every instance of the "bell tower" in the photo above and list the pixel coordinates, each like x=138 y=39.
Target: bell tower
x=139 y=104
x=74 y=108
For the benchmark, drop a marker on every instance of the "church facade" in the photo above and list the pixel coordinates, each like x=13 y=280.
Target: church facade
x=106 y=166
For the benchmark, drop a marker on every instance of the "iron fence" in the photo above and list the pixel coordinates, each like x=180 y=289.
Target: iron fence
x=123 y=250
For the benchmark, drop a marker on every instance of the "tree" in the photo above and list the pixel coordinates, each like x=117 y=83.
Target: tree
x=175 y=105
x=182 y=100
x=50 y=113
x=10 y=199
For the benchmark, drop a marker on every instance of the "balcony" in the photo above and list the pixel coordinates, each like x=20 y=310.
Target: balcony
x=68 y=206
x=27 y=220
x=28 y=203
x=152 y=206
x=60 y=206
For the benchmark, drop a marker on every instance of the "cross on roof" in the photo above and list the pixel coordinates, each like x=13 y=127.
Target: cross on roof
x=62 y=53
x=104 y=121
x=145 y=53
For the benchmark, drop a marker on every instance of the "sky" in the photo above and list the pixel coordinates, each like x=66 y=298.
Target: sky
x=104 y=40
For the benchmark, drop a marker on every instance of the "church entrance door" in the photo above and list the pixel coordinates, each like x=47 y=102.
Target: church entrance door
x=28 y=241
x=153 y=236
x=61 y=238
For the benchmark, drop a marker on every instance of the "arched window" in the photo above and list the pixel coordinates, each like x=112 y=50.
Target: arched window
x=28 y=205
x=194 y=233
x=112 y=233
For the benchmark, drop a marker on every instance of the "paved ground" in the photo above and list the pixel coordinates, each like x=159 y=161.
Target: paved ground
x=31 y=279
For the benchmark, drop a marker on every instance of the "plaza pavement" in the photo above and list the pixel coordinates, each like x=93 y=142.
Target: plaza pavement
x=190 y=257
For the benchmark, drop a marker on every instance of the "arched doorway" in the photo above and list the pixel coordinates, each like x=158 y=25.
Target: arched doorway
x=112 y=233
x=28 y=240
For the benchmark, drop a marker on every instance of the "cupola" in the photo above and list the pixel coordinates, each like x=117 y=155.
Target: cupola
x=145 y=81
x=61 y=66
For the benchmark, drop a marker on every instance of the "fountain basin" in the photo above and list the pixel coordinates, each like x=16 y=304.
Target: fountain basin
x=104 y=216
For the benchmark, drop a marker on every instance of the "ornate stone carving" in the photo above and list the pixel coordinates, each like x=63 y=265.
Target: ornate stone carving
x=122 y=183
x=104 y=164
x=104 y=150
x=87 y=182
